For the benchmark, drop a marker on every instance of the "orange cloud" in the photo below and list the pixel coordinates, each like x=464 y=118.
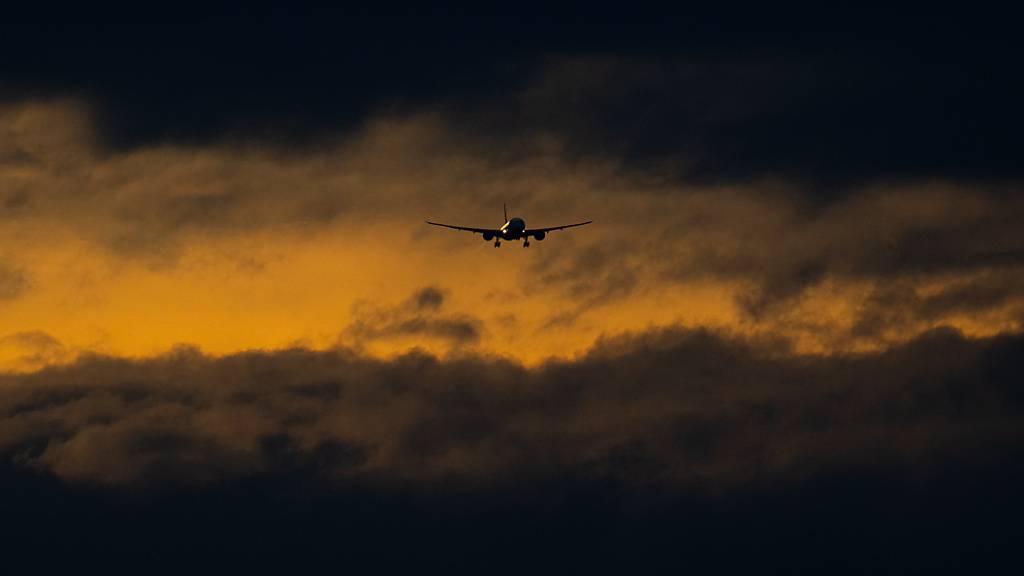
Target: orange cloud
x=233 y=247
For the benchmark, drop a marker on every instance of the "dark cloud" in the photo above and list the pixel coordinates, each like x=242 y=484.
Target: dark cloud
x=916 y=232
x=13 y=282
x=34 y=339
x=715 y=93
x=429 y=298
x=928 y=251
x=591 y=276
x=648 y=447
x=893 y=305
x=672 y=408
x=420 y=316
x=16 y=201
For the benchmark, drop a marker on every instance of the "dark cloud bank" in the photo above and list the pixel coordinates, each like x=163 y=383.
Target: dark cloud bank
x=678 y=447
x=813 y=93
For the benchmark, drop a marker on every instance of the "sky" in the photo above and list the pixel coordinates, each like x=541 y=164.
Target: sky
x=791 y=338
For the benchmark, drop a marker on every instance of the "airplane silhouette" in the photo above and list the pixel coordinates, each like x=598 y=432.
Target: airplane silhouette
x=513 y=229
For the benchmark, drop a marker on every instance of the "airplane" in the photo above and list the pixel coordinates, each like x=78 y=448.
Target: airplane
x=514 y=229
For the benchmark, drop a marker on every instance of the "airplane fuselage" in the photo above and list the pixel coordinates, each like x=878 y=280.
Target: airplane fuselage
x=513 y=229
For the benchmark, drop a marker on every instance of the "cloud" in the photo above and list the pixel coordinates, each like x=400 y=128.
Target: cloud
x=32 y=349
x=900 y=303
x=730 y=98
x=429 y=298
x=13 y=282
x=420 y=317
x=672 y=408
x=776 y=248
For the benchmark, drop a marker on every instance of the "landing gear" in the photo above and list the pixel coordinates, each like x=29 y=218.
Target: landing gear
x=497 y=243
x=526 y=244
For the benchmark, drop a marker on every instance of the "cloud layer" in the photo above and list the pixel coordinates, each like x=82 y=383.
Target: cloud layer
x=135 y=251
x=668 y=408
x=799 y=92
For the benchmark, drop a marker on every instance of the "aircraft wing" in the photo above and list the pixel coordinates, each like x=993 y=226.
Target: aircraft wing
x=533 y=231
x=492 y=231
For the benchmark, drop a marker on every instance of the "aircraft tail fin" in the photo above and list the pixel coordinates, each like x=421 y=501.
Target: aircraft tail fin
x=504 y=208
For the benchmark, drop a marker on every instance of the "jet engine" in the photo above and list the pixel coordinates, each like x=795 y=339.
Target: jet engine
x=539 y=236
x=488 y=236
